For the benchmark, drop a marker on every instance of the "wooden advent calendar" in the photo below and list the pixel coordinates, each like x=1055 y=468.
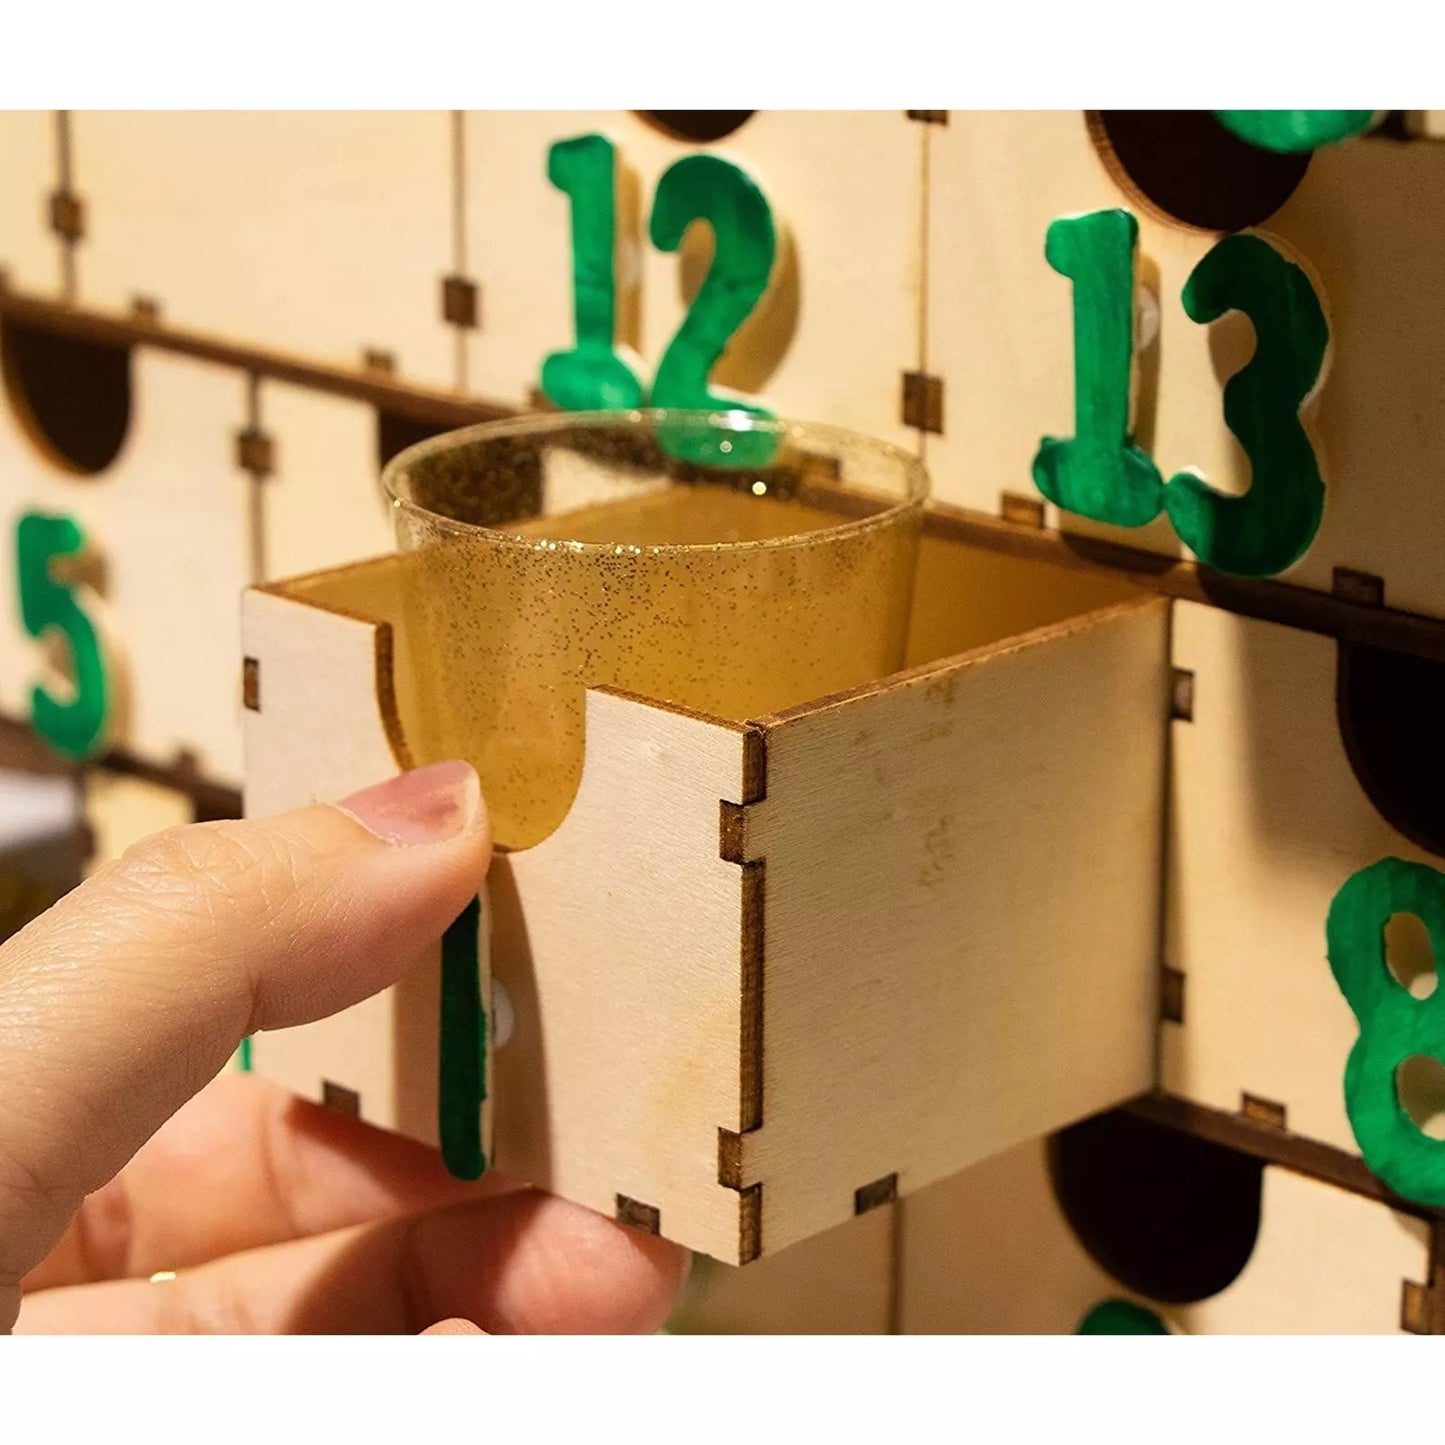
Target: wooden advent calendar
x=1078 y=977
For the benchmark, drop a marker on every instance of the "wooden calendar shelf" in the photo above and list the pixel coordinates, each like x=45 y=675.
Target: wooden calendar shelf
x=144 y=327
x=1261 y=1140
x=1342 y=614
x=22 y=750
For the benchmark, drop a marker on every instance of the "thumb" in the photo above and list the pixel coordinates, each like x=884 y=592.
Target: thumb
x=131 y=993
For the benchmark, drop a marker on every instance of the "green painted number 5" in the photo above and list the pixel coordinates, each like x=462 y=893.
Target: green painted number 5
x=75 y=727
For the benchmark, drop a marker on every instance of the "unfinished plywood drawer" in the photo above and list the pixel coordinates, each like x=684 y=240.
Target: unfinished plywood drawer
x=767 y=976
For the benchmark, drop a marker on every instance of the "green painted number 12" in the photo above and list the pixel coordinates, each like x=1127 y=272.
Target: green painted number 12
x=592 y=375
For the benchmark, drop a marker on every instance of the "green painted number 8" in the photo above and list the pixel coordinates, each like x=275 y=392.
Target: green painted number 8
x=77 y=727
x=1394 y=1025
x=1121 y=1317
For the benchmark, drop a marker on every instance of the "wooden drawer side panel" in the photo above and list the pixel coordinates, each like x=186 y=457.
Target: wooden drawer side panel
x=961 y=913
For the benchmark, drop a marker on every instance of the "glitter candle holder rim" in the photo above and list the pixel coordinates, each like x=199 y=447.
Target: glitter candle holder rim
x=913 y=477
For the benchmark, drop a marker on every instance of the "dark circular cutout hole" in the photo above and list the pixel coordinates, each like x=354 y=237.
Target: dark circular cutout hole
x=395 y=432
x=73 y=395
x=1390 y=707
x=702 y=126
x=1184 y=166
x=1168 y=1215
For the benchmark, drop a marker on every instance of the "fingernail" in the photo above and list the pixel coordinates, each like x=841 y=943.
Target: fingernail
x=426 y=805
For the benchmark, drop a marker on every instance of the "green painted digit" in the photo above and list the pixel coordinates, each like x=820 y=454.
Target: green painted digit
x=1272 y=525
x=1394 y=1025
x=1099 y=472
x=77 y=727
x=1291 y=131
x=592 y=376
x=1121 y=1317
x=462 y=1067
x=706 y=187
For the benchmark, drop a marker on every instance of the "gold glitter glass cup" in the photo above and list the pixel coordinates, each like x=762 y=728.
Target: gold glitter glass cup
x=550 y=554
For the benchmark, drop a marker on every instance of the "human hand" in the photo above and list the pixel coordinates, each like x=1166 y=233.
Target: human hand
x=269 y=1214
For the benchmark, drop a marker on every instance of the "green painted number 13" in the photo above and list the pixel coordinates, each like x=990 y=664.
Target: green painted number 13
x=592 y=375
x=1099 y=472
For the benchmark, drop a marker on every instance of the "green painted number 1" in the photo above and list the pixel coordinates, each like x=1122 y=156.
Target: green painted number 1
x=592 y=376
x=1099 y=472
x=75 y=727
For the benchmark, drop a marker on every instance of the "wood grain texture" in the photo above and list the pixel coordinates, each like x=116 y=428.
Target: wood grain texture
x=1276 y=1146
x=625 y=941
x=324 y=729
x=837 y=1283
x=623 y=1061
x=29 y=251
x=355 y=378
x=324 y=233
x=1366 y=215
x=1330 y=614
x=619 y=940
x=989 y=1252
x=961 y=911
x=323 y=506
x=1327 y=1262
x=1267 y=822
x=168 y=522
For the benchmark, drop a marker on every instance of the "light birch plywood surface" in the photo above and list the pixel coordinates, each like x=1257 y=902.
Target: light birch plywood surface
x=1267 y=822
x=30 y=252
x=319 y=232
x=168 y=523
x=1327 y=1262
x=624 y=1057
x=1368 y=215
x=961 y=918
x=990 y=1252
x=839 y=1282
x=323 y=506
